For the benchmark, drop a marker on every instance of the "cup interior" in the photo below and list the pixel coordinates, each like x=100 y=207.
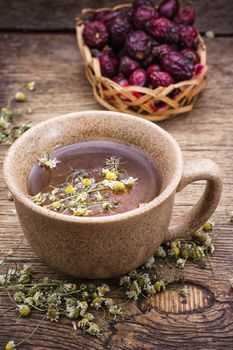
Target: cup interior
x=93 y=125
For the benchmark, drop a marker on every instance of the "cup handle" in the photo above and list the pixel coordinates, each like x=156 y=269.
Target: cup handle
x=188 y=223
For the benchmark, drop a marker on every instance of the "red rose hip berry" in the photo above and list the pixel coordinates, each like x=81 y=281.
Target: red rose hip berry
x=178 y=66
x=169 y=8
x=119 y=29
x=138 y=45
x=127 y=65
x=164 y=30
x=161 y=79
x=191 y=55
x=187 y=35
x=138 y=77
x=142 y=15
x=108 y=64
x=186 y=15
x=154 y=68
x=95 y=34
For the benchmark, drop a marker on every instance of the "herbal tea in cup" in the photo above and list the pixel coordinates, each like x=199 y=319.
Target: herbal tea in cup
x=94 y=178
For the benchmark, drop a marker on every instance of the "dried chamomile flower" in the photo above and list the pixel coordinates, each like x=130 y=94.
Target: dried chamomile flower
x=83 y=323
x=93 y=329
x=10 y=345
x=160 y=252
x=80 y=211
x=208 y=226
x=82 y=306
x=111 y=175
x=24 y=310
x=107 y=206
x=103 y=289
x=125 y=281
x=20 y=96
x=72 y=312
x=108 y=302
x=70 y=189
x=134 y=292
x=31 y=85
x=144 y=280
x=130 y=182
x=19 y=297
x=115 y=310
x=159 y=286
x=118 y=186
x=46 y=162
x=180 y=263
x=150 y=263
x=70 y=287
x=197 y=252
x=53 y=314
x=89 y=316
x=185 y=251
x=150 y=290
x=97 y=302
x=85 y=295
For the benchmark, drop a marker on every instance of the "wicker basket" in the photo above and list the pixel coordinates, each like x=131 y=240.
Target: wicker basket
x=140 y=101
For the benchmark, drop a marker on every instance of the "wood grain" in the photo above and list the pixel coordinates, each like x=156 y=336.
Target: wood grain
x=205 y=321
x=60 y=15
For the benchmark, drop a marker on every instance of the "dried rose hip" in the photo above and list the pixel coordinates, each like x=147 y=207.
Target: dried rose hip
x=127 y=65
x=138 y=3
x=161 y=50
x=186 y=15
x=161 y=79
x=191 y=55
x=178 y=66
x=95 y=34
x=121 y=80
x=142 y=15
x=138 y=77
x=187 y=35
x=154 y=68
x=138 y=45
x=169 y=8
x=119 y=29
x=108 y=64
x=164 y=30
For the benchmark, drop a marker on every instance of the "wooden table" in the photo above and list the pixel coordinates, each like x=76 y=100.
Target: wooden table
x=37 y=42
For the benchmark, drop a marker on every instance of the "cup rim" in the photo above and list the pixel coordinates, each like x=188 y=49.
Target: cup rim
x=26 y=201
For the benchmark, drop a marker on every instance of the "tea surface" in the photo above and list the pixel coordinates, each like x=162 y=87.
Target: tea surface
x=92 y=156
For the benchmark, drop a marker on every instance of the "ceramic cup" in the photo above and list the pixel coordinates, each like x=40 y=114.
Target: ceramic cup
x=102 y=247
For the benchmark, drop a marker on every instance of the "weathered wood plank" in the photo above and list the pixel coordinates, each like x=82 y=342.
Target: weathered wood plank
x=60 y=15
x=206 y=321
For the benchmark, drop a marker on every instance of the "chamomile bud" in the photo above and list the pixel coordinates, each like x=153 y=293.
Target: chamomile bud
x=86 y=182
x=111 y=176
x=10 y=345
x=208 y=226
x=70 y=190
x=20 y=96
x=24 y=310
x=118 y=186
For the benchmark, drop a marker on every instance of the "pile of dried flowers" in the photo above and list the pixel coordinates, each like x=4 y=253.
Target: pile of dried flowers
x=86 y=191
x=9 y=129
x=81 y=301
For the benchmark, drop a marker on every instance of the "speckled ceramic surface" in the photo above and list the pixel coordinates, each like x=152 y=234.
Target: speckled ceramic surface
x=101 y=247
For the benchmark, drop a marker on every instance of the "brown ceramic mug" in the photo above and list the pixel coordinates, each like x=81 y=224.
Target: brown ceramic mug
x=101 y=247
